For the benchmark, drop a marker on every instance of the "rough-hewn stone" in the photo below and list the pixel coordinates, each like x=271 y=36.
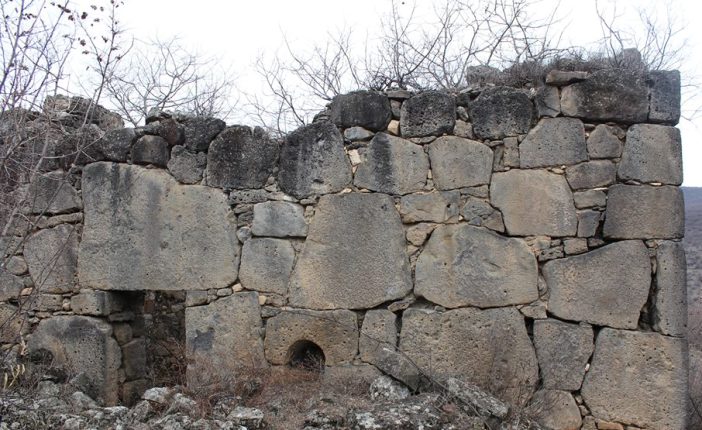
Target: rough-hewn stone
x=199 y=132
x=354 y=256
x=266 y=265
x=588 y=222
x=223 y=336
x=312 y=161
x=430 y=113
x=378 y=333
x=435 y=206
x=440 y=343
x=355 y=134
x=563 y=350
x=240 y=157
x=10 y=286
x=97 y=303
x=392 y=165
x=607 y=95
x=462 y=265
x=638 y=379
x=643 y=212
x=51 y=256
x=479 y=212
x=114 y=145
x=555 y=409
x=145 y=231
x=12 y=324
x=607 y=286
x=335 y=332
x=186 y=166
x=85 y=348
x=366 y=109
x=564 y=77
x=534 y=202
x=52 y=193
x=279 y=219
x=501 y=111
x=602 y=143
x=554 y=142
x=134 y=358
x=665 y=96
x=652 y=153
x=670 y=298
x=458 y=162
x=591 y=174
x=548 y=101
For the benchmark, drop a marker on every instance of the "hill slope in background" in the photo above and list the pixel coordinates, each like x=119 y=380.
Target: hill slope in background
x=693 y=250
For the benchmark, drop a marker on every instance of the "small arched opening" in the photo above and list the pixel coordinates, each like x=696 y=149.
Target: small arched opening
x=306 y=355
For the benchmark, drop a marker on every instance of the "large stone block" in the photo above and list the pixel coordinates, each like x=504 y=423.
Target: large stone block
x=652 y=153
x=334 y=332
x=151 y=150
x=365 y=109
x=591 y=174
x=462 y=265
x=563 y=350
x=602 y=143
x=10 y=286
x=435 y=206
x=670 y=300
x=51 y=255
x=185 y=166
x=52 y=193
x=223 y=336
x=240 y=157
x=266 y=265
x=458 y=162
x=312 y=161
x=392 y=165
x=643 y=212
x=279 y=219
x=534 y=202
x=199 y=132
x=665 y=96
x=608 y=95
x=638 y=379
x=378 y=335
x=431 y=113
x=97 y=303
x=144 y=231
x=114 y=145
x=554 y=142
x=500 y=112
x=85 y=348
x=489 y=348
x=607 y=286
x=354 y=256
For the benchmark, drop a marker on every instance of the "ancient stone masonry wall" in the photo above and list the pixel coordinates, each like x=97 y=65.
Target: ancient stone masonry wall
x=524 y=240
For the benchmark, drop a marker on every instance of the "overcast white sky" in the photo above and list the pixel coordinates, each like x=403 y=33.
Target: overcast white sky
x=237 y=31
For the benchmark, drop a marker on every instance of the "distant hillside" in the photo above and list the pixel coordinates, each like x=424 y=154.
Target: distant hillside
x=693 y=249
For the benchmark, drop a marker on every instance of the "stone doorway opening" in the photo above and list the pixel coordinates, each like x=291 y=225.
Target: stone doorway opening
x=164 y=333
x=306 y=355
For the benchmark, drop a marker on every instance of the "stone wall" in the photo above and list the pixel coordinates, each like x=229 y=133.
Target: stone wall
x=525 y=240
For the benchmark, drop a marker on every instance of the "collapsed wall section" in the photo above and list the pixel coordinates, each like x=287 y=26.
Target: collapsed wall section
x=517 y=239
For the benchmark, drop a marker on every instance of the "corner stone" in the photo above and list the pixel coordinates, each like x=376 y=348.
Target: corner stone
x=670 y=301
x=644 y=212
x=652 y=153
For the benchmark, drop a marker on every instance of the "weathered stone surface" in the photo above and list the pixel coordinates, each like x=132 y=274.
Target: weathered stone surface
x=223 y=336
x=12 y=324
x=639 y=379
x=392 y=165
x=462 y=265
x=588 y=222
x=440 y=342
x=431 y=113
x=85 y=348
x=602 y=143
x=435 y=206
x=458 y=162
x=134 y=358
x=591 y=174
x=554 y=142
x=562 y=77
x=279 y=219
x=479 y=212
x=589 y=199
x=555 y=409
x=51 y=255
x=378 y=333
x=563 y=350
x=385 y=388
x=16 y=265
x=312 y=161
x=652 y=153
x=186 y=166
x=534 y=202
x=10 y=286
x=240 y=157
x=474 y=399
x=670 y=300
x=643 y=212
x=52 y=193
x=366 y=109
x=97 y=303
x=335 y=332
x=169 y=129
x=114 y=145
x=548 y=101
x=266 y=265
x=608 y=95
x=664 y=104
x=500 y=112
x=607 y=286
x=145 y=231
x=151 y=150
x=354 y=256
x=355 y=134
x=199 y=132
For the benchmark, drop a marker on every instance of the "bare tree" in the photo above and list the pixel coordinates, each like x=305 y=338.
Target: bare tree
x=163 y=74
